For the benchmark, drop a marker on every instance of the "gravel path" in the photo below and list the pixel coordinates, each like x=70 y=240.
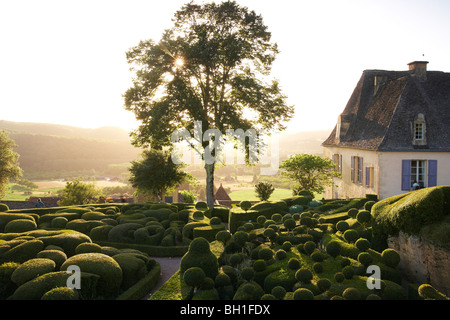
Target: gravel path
x=168 y=268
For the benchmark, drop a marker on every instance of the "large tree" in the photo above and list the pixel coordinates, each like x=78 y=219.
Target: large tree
x=310 y=172
x=212 y=67
x=9 y=167
x=155 y=173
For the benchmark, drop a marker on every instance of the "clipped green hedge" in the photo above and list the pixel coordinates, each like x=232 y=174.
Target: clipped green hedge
x=411 y=211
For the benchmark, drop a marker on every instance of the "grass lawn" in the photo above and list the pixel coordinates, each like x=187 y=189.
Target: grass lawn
x=250 y=195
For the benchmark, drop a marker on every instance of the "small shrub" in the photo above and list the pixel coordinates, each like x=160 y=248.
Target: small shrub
x=87 y=247
x=351 y=235
x=57 y=256
x=61 y=293
x=259 y=265
x=318 y=267
x=194 y=276
x=427 y=292
x=286 y=246
x=294 y=264
x=342 y=226
x=363 y=216
x=352 y=212
x=303 y=294
x=20 y=225
x=222 y=280
x=333 y=248
x=390 y=257
x=309 y=247
x=31 y=269
x=304 y=275
x=365 y=258
x=339 y=277
x=245 y=205
x=278 y=292
x=369 y=204
x=348 y=272
x=323 y=284
x=247 y=273
x=351 y=294
x=280 y=255
x=201 y=205
x=362 y=244
x=265 y=254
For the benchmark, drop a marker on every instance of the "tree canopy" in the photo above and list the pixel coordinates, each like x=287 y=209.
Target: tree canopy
x=9 y=167
x=212 y=67
x=155 y=173
x=310 y=172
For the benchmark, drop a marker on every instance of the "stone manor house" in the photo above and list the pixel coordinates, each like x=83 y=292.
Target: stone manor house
x=394 y=131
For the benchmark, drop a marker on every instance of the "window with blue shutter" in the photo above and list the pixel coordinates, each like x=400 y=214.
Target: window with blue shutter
x=406 y=174
x=432 y=173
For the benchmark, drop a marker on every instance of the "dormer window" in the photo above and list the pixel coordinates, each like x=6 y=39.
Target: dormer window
x=419 y=130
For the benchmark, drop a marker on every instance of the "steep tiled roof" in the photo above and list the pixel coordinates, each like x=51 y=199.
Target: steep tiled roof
x=382 y=119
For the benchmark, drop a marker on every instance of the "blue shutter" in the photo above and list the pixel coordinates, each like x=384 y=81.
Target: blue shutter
x=432 y=173
x=406 y=175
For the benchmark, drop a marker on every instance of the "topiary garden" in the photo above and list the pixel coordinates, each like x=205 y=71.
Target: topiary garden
x=292 y=249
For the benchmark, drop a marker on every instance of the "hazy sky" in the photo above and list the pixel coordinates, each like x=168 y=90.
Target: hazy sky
x=64 y=61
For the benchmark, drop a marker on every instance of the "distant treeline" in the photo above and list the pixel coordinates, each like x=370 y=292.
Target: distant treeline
x=45 y=156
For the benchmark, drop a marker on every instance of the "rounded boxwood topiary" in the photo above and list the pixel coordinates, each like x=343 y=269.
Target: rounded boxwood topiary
x=194 y=276
x=373 y=296
x=247 y=273
x=342 y=226
x=318 y=267
x=365 y=258
x=351 y=294
x=268 y=296
x=102 y=265
x=390 y=257
x=369 y=204
x=309 y=247
x=245 y=205
x=249 y=291
x=352 y=212
x=304 y=275
x=259 y=265
x=339 y=277
x=276 y=217
x=200 y=255
x=428 y=292
x=222 y=280
x=294 y=264
x=214 y=221
x=278 y=292
x=296 y=208
x=261 y=219
x=57 y=256
x=24 y=251
x=223 y=236
x=348 y=272
x=20 y=225
x=265 y=254
x=351 y=235
x=317 y=256
x=280 y=255
x=3 y=207
x=201 y=205
x=61 y=293
x=323 y=284
x=32 y=269
x=303 y=294
x=363 y=216
x=289 y=224
x=59 y=222
x=88 y=247
x=362 y=244
x=286 y=246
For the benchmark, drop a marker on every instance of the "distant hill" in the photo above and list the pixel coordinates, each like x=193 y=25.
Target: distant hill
x=106 y=133
x=58 y=151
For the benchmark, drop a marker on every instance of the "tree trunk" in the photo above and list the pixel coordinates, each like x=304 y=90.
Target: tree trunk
x=209 y=184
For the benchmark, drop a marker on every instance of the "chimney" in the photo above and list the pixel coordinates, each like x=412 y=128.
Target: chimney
x=419 y=69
